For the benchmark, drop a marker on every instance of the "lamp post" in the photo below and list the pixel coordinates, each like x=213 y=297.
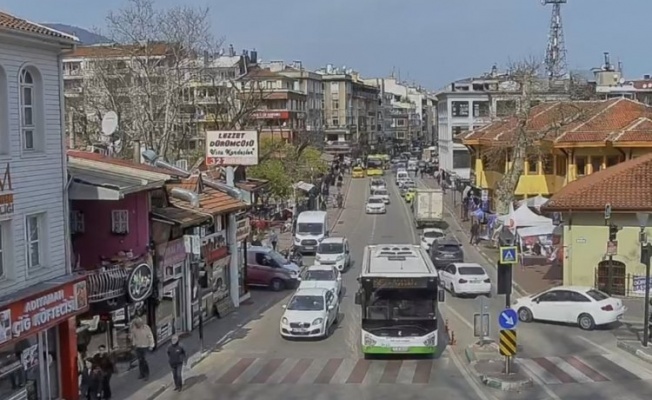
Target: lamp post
x=646 y=253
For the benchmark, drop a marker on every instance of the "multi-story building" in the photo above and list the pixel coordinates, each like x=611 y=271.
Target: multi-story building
x=310 y=83
x=279 y=102
x=609 y=83
x=350 y=108
x=471 y=103
x=39 y=298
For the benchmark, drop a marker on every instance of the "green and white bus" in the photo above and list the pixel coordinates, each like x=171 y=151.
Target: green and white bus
x=399 y=295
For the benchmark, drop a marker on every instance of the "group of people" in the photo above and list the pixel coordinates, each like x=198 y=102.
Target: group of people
x=96 y=372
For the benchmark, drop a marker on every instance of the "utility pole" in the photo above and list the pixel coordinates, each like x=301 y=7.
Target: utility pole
x=646 y=254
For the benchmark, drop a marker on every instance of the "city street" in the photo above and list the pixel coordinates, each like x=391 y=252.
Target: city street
x=256 y=363
x=563 y=361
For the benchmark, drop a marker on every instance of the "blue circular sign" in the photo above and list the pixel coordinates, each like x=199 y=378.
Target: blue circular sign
x=508 y=319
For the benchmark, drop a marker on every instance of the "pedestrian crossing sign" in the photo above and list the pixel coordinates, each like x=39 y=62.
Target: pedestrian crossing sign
x=508 y=255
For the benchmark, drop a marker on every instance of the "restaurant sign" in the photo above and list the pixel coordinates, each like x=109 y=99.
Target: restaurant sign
x=25 y=317
x=243 y=229
x=213 y=247
x=6 y=192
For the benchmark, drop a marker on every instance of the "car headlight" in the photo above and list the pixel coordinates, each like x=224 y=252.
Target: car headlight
x=430 y=340
x=317 y=257
x=284 y=321
x=294 y=274
x=297 y=240
x=368 y=340
x=340 y=257
x=318 y=321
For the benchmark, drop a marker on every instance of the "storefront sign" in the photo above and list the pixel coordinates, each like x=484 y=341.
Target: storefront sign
x=214 y=247
x=243 y=229
x=171 y=253
x=6 y=192
x=231 y=148
x=140 y=283
x=271 y=115
x=50 y=308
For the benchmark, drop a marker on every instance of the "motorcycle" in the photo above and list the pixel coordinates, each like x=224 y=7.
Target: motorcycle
x=293 y=256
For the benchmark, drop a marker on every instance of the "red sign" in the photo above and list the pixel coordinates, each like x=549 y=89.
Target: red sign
x=271 y=115
x=48 y=308
x=214 y=247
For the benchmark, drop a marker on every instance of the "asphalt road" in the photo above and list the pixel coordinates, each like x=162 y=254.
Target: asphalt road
x=563 y=361
x=256 y=363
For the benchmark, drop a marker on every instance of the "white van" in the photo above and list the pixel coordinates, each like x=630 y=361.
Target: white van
x=402 y=175
x=312 y=227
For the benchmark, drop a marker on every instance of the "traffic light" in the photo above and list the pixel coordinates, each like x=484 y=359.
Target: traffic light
x=613 y=231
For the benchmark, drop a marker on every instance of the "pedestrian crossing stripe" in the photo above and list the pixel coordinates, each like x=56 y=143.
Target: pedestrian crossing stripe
x=508 y=255
x=508 y=342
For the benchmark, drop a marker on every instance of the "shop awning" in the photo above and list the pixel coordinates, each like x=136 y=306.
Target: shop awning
x=306 y=187
x=92 y=184
x=179 y=216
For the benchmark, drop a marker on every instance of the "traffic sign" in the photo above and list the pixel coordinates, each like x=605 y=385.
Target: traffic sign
x=508 y=255
x=507 y=344
x=508 y=319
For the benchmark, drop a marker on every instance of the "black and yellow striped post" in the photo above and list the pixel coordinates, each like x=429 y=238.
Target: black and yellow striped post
x=508 y=347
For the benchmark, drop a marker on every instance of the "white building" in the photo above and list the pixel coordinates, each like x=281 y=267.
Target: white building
x=33 y=200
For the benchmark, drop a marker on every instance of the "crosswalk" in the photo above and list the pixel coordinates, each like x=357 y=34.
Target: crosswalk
x=583 y=369
x=301 y=371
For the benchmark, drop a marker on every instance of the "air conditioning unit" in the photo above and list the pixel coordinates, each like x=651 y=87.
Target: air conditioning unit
x=183 y=164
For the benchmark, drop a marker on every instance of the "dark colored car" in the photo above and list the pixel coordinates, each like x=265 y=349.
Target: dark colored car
x=266 y=267
x=446 y=251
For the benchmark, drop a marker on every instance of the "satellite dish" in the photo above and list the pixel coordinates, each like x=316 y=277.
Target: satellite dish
x=621 y=80
x=109 y=123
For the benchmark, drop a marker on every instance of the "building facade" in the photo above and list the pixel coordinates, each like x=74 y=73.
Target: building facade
x=39 y=298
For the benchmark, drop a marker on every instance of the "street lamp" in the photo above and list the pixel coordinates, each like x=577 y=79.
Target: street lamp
x=646 y=253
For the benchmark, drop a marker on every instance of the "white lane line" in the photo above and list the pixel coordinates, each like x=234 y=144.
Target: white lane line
x=538 y=373
x=373 y=229
x=570 y=370
x=406 y=373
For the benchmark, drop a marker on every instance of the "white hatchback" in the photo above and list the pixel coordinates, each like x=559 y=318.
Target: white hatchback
x=429 y=235
x=465 y=279
x=310 y=313
x=584 y=306
x=322 y=276
x=375 y=205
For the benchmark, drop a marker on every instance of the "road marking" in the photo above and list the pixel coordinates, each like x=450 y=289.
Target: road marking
x=628 y=366
x=415 y=237
x=373 y=229
x=473 y=383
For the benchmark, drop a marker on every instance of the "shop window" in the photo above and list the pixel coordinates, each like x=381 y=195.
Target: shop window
x=580 y=165
x=34 y=236
x=120 y=222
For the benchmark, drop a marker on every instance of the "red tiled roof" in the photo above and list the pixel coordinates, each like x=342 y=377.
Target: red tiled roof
x=263 y=73
x=13 y=23
x=119 y=162
x=567 y=123
x=211 y=201
x=626 y=186
x=116 y=50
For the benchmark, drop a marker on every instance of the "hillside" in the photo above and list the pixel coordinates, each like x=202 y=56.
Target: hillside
x=86 y=37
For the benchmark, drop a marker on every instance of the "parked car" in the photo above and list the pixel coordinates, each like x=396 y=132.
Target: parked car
x=322 y=276
x=266 y=267
x=465 y=279
x=585 y=306
x=310 y=313
x=446 y=251
x=334 y=251
x=375 y=205
x=429 y=235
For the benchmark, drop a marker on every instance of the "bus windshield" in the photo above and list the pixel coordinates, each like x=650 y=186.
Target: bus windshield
x=374 y=164
x=401 y=304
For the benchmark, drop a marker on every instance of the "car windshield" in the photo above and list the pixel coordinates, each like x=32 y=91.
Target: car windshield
x=314 y=228
x=375 y=201
x=393 y=304
x=471 y=271
x=320 y=275
x=432 y=234
x=597 y=295
x=306 y=303
x=380 y=192
x=331 y=248
x=278 y=258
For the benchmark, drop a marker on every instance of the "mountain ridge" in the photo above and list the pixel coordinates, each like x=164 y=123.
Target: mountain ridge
x=85 y=36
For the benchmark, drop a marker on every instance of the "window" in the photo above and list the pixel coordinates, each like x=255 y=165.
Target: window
x=457 y=130
x=34 y=235
x=561 y=165
x=461 y=159
x=335 y=87
x=596 y=163
x=336 y=104
x=548 y=166
x=120 y=221
x=28 y=128
x=4 y=114
x=505 y=107
x=580 y=165
x=613 y=160
x=460 y=108
x=336 y=122
x=533 y=165
x=480 y=108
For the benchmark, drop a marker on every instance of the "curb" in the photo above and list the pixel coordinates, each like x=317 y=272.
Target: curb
x=505 y=386
x=628 y=346
x=470 y=356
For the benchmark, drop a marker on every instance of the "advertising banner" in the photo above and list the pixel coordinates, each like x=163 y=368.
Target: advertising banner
x=231 y=148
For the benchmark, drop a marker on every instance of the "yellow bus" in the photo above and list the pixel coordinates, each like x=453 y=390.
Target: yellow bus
x=375 y=165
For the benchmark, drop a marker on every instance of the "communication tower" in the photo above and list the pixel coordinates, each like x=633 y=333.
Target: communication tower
x=556 y=51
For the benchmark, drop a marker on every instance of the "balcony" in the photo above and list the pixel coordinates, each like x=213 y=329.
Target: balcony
x=73 y=73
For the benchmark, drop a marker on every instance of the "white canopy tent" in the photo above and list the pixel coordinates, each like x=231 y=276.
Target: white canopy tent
x=534 y=202
x=523 y=217
x=536 y=230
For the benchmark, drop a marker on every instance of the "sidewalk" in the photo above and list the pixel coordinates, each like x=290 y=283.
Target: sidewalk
x=527 y=280
x=217 y=332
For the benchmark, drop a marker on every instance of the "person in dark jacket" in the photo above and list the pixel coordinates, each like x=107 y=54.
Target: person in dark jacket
x=91 y=381
x=176 y=359
x=475 y=232
x=103 y=360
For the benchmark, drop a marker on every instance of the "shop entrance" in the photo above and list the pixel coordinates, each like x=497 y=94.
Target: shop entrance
x=612 y=282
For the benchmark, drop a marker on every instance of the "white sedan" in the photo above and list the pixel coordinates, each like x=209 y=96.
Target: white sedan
x=584 y=306
x=382 y=193
x=375 y=205
x=310 y=313
x=324 y=277
x=465 y=279
x=429 y=235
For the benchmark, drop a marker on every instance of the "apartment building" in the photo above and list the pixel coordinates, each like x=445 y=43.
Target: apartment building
x=471 y=103
x=350 y=108
x=610 y=83
x=39 y=298
x=310 y=83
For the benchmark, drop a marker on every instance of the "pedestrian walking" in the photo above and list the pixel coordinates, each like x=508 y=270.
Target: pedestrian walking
x=176 y=358
x=90 y=381
x=103 y=360
x=273 y=238
x=142 y=340
x=475 y=231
